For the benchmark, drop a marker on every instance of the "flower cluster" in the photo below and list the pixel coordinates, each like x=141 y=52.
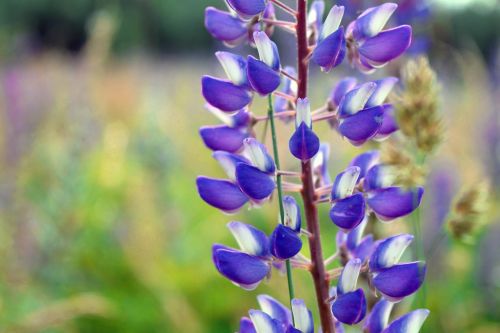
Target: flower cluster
x=359 y=112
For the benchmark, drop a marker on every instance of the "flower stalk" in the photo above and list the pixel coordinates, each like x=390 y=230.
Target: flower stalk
x=318 y=271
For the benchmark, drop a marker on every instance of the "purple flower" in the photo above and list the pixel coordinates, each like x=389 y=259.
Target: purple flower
x=362 y=115
x=388 y=202
x=331 y=46
x=263 y=74
x=247 y=8
x=248 y=266
x=275 y=317
x=349 y=306
x=250 y=178
x=370 y=46
x=395 y=280
x=303 y=144
x=225 y=26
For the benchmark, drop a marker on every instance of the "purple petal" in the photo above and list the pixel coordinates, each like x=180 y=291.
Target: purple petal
x=224 y=26
x=223 y=138
x=372 y=20
x=304 y=143
x=239 y=267
x=387 y=45
x=285 y=242
x=389 y=123
x=389 y=251
x=393 y=202
x=349 y=212
x=250 y=239
x=350 y=308
x=384 y=88
x=400 y=280
x=409 y=323
x=330 y=52
x=275 y=309
x=224 y=95
x=253 y=182
x=246 y=326
x=365 y=248
x=379 y=317
x=365 y=161
x=362 y=126
x=247 y=7
x=263 y=78
x=343 y=86
x=221 y=194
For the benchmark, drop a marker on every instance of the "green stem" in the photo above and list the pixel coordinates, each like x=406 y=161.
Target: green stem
x=417 y=230
x=270 y=113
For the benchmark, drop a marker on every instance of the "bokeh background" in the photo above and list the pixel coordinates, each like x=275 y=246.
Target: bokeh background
x=101 y=228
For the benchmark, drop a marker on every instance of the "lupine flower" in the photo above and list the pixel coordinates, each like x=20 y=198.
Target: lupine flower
x=371 y=47
x=263 y=74
x=274 y=317
x=349 y=306
x=285 y=240
x=225 y=26
x=247 y=8
x=228 y=137
x=392 y=279
x=388 y=202
x=228 y=95
x=303 y=144
x=361 y=110
x=237 y=26
x=331 y=46
x=250 y=265
x=250 y=178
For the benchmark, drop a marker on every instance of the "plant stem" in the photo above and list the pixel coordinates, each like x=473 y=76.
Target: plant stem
x=270 y=113
x=309 y=198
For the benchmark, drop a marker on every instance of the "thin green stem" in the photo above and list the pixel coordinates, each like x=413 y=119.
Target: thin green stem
x=417 y=229
x=270 y=113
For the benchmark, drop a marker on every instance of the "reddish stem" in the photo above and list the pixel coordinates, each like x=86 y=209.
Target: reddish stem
x=318 y=272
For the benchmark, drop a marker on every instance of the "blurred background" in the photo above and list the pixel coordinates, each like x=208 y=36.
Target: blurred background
x=101 y=228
